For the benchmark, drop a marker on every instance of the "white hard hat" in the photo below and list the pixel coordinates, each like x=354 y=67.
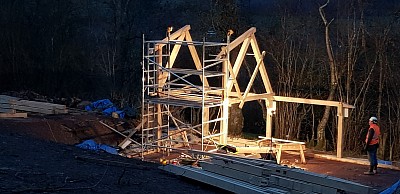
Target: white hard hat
x=373 y=119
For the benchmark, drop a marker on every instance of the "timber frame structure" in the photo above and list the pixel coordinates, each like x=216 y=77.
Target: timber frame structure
x=210 y=83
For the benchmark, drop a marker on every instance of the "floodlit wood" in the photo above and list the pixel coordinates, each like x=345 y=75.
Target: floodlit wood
x=340 y=131
x=13 y=115
x=311 y=101
x=118 y=132
x=263 y=71
x=196 y=58
x=127 y=140
x=173 y=36
x=238 y=62
x=175 y=86
x=289 y=147
x=253 y=77
x=341 y=107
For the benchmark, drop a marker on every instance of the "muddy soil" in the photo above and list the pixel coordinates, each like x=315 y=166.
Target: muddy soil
x=37 y=155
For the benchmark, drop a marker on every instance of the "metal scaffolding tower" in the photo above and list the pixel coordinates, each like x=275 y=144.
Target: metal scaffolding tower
x=201 y=86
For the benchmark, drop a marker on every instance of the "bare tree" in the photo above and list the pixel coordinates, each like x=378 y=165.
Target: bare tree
x=333 y=81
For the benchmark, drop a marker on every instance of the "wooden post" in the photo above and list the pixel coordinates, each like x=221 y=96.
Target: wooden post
x=225 y=104
x=206 y=118
x=268 y=121
x=159 y=124
x=340 y=131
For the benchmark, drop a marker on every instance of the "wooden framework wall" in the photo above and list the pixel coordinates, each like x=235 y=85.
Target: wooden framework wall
x=229 y=91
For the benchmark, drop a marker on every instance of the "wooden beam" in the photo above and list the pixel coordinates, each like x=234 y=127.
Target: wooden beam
x=162 y=77
x=259 y=59
x=238 y=62
x=36 y=104
x=13 y=115
x=250 y=97
x=195 y=57
x=223 y=139
x=268 y=121
x=253 y=77
x=253 y=150
x=173 y=36
x=238 y=40
x=7 y=110
x=232 y=79
x=310 y=101
x=101 y=122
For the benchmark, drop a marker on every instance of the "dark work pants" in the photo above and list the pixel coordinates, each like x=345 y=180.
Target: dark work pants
x=372 y=149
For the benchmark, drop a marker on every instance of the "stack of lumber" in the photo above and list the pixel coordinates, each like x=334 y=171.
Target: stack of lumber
x=5 y=104
x=245 y=175
x=10 y=105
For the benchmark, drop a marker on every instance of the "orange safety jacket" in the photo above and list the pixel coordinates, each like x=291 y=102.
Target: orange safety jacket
x=377 y=132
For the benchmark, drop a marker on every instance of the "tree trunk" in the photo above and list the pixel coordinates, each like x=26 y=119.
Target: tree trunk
x=321 y=144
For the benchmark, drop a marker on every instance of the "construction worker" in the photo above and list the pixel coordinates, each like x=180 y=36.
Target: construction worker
x=372 y=144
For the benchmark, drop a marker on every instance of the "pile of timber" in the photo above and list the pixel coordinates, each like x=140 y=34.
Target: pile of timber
x=246 y=175
x=16 y=107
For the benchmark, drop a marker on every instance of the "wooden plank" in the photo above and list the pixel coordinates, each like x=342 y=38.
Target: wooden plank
x=291 y=147
x=4 y=101
x=7 y=110
x=36 y=104
x=253 y=150
x=310 y=101
x=7 y=98
x=34 y=109
x=250 y=97
x=13 y=115
x=6 y=105
x=276 y=140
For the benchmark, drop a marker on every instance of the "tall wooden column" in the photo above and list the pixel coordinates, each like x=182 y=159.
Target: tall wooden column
x=225 y=105
x=340 y=131
x=271 y=107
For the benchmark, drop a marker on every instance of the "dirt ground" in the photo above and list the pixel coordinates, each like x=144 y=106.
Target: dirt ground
x=37 y=155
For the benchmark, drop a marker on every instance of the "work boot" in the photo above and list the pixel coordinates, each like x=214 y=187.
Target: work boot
x=371 y=171
x=375 y=170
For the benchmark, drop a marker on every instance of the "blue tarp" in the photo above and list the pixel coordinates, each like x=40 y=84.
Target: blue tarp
x=92 y=145
x=106 y=106
x=99 y=105
x=391 y=189
x=384 y=162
